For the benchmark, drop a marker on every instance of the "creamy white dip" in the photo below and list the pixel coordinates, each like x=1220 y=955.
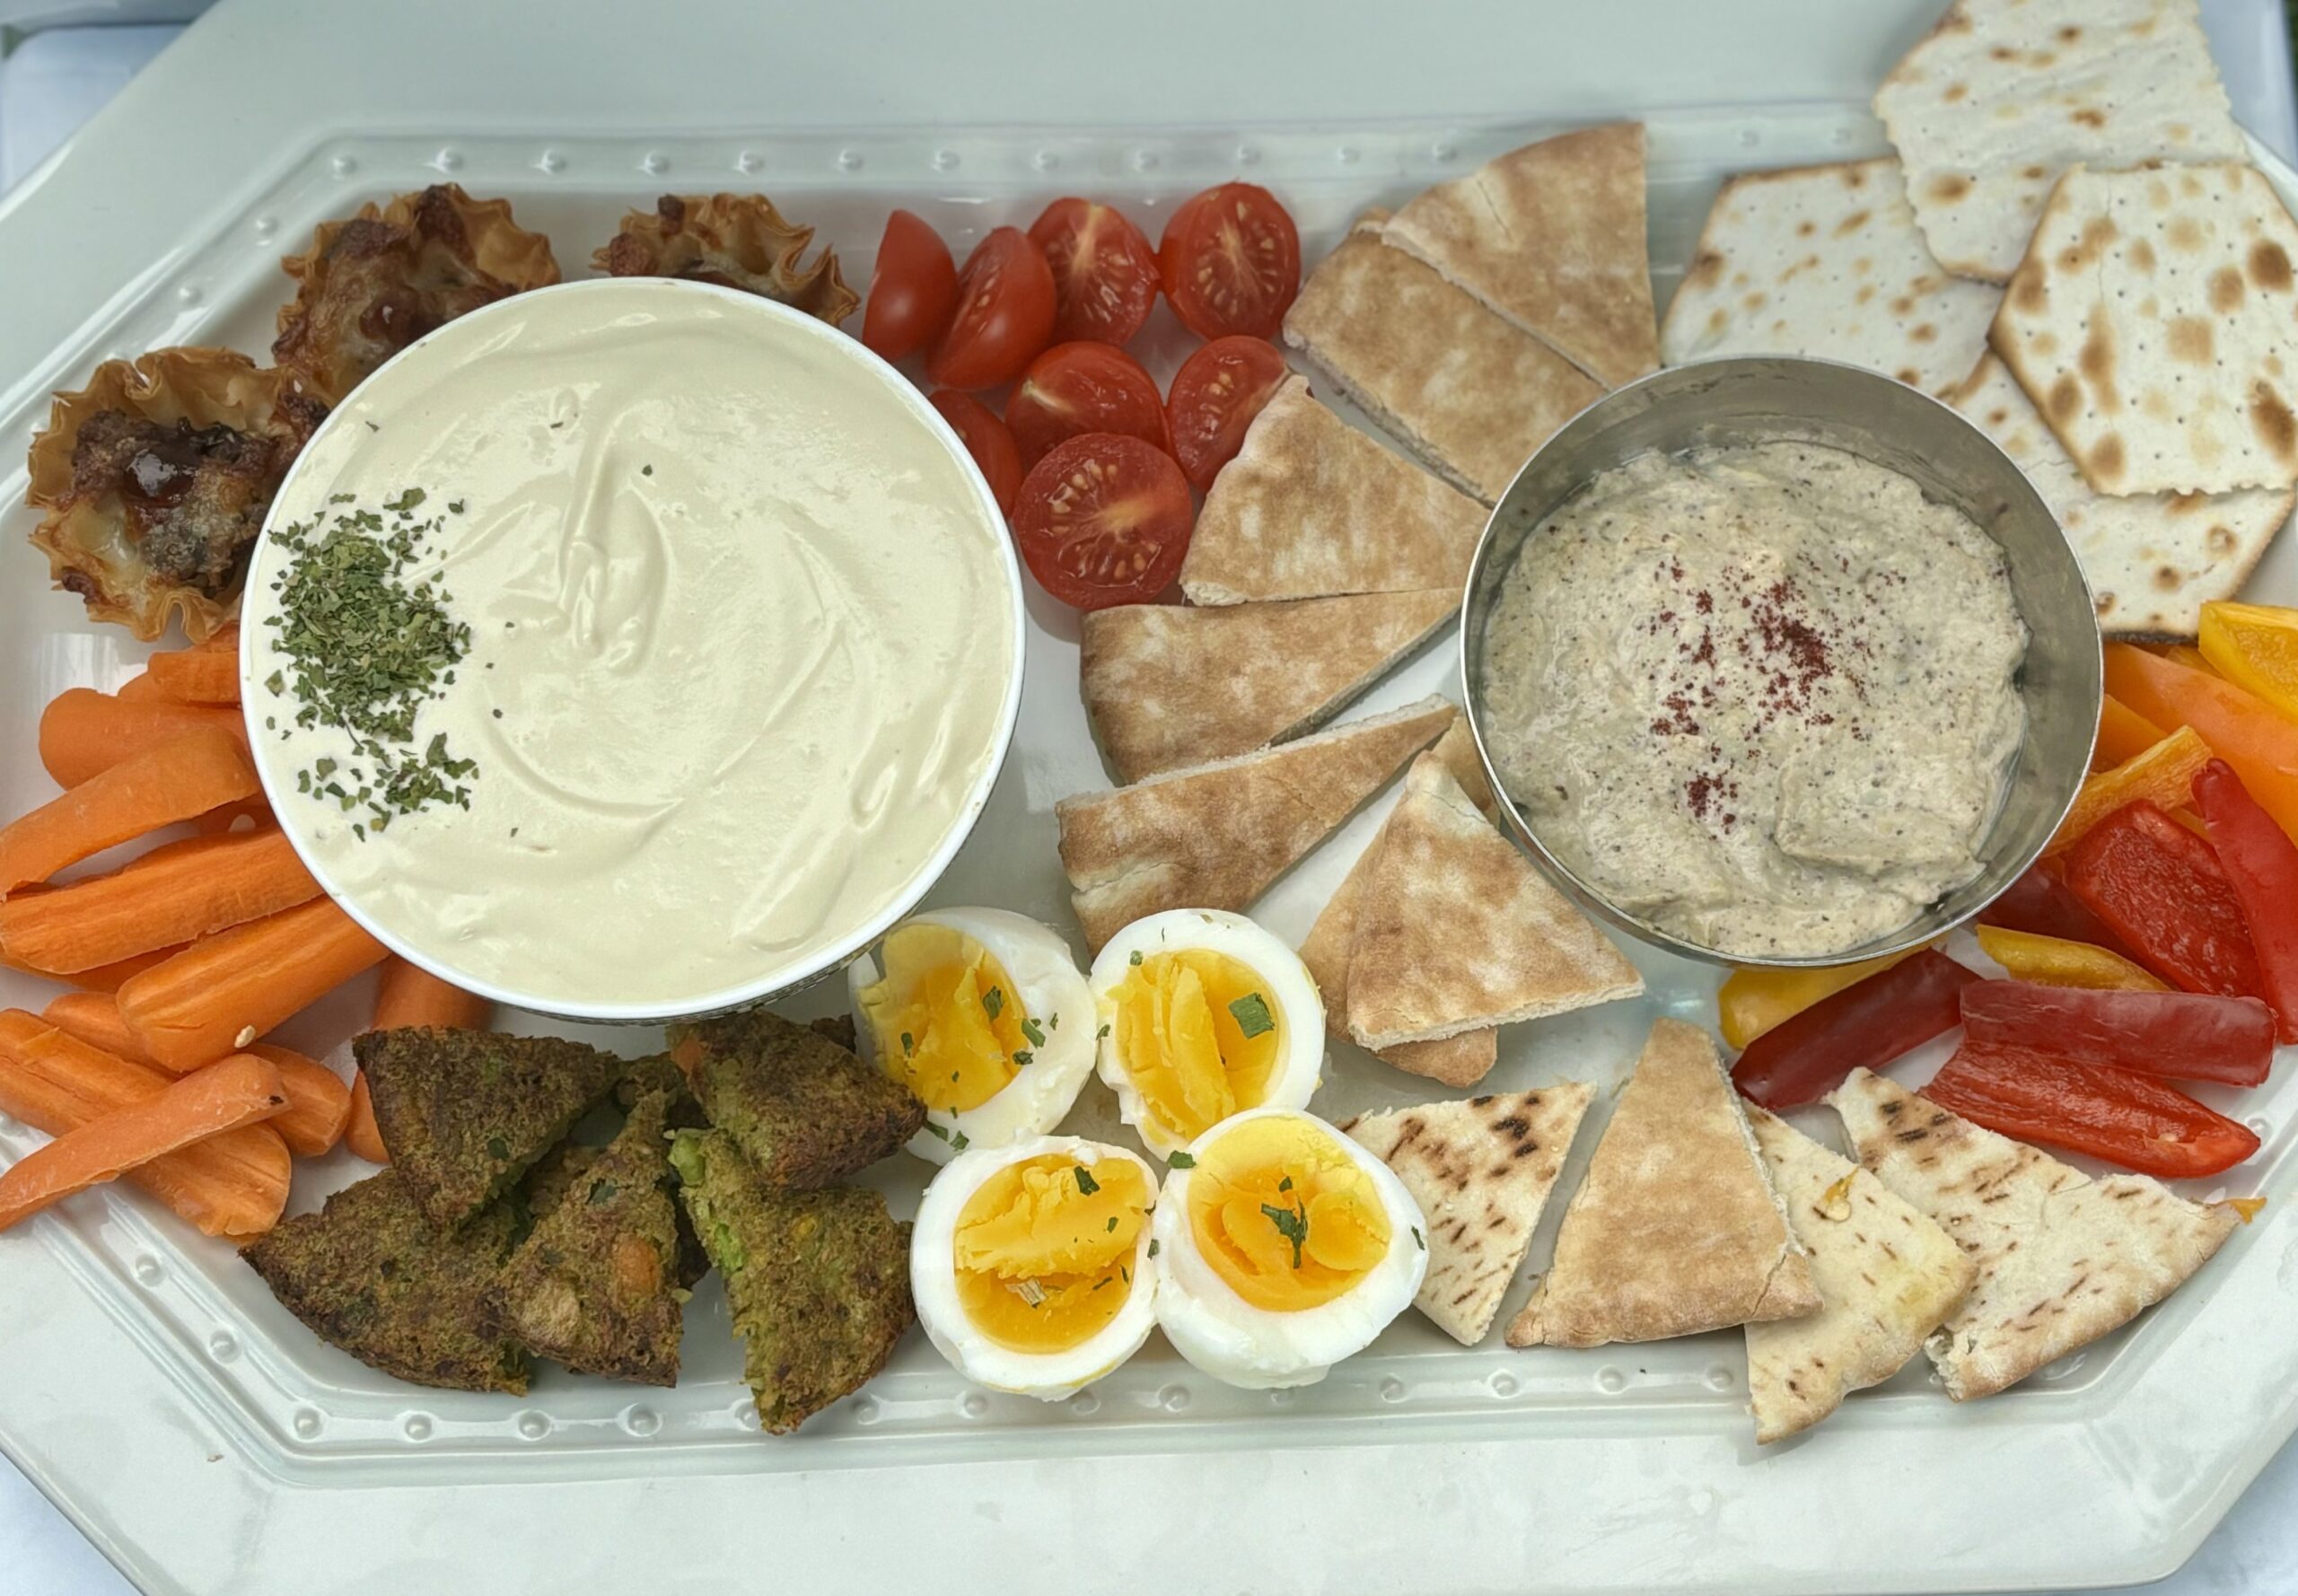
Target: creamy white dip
x=740 y=645
x=1760 y=696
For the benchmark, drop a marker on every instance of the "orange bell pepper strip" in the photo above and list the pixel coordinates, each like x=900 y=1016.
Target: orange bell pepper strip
x=2054 y=961
x=2241 y=728
x=1753 y=1001
x=2124 y=734
x=2163 y=776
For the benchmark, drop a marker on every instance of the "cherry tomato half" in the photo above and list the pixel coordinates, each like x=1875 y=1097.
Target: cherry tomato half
x=987 y=439
x=1074 y=389
x=1104 y=520
x=1231 y=260
x=1104 y=272
x=912 y=288
x=1216 y=394
x=1005 y=313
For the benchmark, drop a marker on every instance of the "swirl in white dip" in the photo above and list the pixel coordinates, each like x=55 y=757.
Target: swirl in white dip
x=742 y=642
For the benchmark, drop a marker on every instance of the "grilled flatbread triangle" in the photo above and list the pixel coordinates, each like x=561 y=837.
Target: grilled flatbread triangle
x=2062 y=1257
x=1468 y=392
x=1675 y=1231
x=1312 y=507
x=1551 y=236
x=1169 y=685
x=1481 y=1170
x=1457 y=930
x=1887 y=1276
x=1216 y=836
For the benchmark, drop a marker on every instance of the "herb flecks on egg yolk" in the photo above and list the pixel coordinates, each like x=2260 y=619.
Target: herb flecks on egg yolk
x=1285 y=1215
x=1199 y=1037
x=1044 y=1249
x=948 y=1025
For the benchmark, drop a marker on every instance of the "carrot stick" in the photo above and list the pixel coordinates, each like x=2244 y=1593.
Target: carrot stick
x=362 y=1135
x=141 y=689
x=227 y=817
x=83 y=732
x=166 y=782
x=241 y=1090
x=223 y=639
x=407 y=995
x=231 y=1185
x=104 y=978
x=224 y=991
x=171 y=895
x=319 y=1104
x=93 y=1017
x=197 y=675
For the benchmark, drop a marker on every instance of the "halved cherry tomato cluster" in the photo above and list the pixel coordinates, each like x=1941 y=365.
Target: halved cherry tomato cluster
x=1094 y=467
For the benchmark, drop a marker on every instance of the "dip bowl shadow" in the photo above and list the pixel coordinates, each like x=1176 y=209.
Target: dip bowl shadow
x=1772 y=399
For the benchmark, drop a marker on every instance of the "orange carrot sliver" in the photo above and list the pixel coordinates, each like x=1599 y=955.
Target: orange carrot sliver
x=171 y=781
x=362 y=1135
x=319 y=1104
x=241 y=1090
x=93 y=1017
x=83 y=732
x=143 y=688
x=104 y=978
x=2124 y=734
x=171 y=895
x=225 y=990
x=199 y=675
x=407 y=995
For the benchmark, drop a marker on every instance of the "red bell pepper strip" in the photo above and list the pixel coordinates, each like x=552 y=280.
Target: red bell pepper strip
x=2134 y=1121
x=1866 y=1025
x=2261 y=865
x=2161 y=890
x=2039 y=903
x=2186 y=1035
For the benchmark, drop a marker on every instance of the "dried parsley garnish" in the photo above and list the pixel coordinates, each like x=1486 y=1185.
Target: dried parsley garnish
x=367 y=648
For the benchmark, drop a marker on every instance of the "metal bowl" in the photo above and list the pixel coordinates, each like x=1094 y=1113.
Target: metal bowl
x=1766 y=398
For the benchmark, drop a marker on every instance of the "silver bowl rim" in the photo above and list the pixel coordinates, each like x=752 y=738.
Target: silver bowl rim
x=1922 y=930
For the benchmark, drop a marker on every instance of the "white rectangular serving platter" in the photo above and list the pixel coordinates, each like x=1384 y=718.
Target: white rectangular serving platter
x=207 y=1443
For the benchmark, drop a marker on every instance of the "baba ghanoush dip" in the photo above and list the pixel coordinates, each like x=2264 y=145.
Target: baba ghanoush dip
x=1761 y=696
x=626 y=643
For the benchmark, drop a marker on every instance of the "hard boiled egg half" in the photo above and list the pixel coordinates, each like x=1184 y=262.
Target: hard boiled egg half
x=982 y=1014
x=1202 y=1014
x=1030 y=1263
x=1283 y=1247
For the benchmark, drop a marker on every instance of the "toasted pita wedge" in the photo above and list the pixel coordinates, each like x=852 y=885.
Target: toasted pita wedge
x=1551 y=236
x=2004 y=95
x=2153 y=560
x=1457 y=930
x=1169 y=685
x=1470 y=394
x=1826 y=260
x=1481 y=1170
x=2152 y=324
x=1312 y=507
x=1887 y=1276
x=1675 y=1231
x=2062 y=1258
x=1215 y=835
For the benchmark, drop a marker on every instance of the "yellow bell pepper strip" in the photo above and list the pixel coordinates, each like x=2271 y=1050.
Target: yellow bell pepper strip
x=1753 y=1001
x=2255 y=647
x=2054 y=961
x=2241 y=728
x=2163 y=776
x=2124 y=734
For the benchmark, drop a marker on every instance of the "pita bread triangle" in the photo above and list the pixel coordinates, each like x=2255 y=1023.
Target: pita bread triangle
x=1312 y=507
x=1675 y=1231
x=2062 y=1257
x=1169 y=685
x=1481 y=1170
x=1551 y=236
x=1886 y=1278
x=1457 y=930
x=1216 y=836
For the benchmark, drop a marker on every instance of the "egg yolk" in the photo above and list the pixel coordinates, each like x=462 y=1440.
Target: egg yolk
x=1199 y=1035
x=948 y=1022
x=1044 y=1249
x=1284 y=1214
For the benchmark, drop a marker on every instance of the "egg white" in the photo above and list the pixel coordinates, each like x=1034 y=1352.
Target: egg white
x=1257 y=1349
x=1289 y=989
x=932 y=1281
x=1037 y=962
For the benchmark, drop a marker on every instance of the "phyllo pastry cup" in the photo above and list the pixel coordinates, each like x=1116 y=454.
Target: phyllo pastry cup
x=735 y=241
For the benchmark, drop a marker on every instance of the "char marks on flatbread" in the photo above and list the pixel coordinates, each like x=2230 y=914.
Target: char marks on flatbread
x=1456 y=930
x=1215 y=835
x=1887 y=1275
x=1675 y=1231
x=2063 y=1258
x=1551 y=236
x=1169 y=685
x=1481 y=1170
x=1312 y=507
x=1469 y=393
x=1826 y=260
x=2155 y=323
x=2153 y=560
x=2004 y=95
